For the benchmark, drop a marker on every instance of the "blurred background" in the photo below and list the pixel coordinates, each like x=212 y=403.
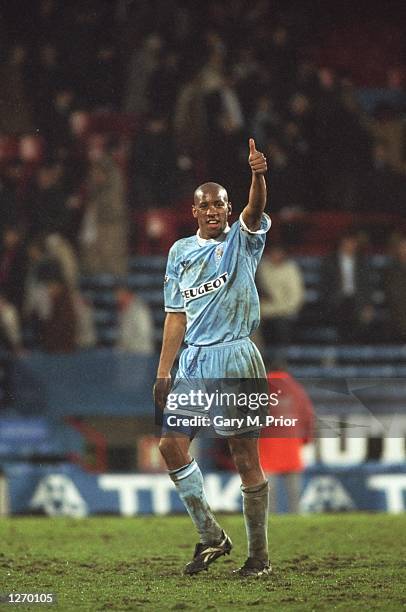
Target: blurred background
x=111 y=113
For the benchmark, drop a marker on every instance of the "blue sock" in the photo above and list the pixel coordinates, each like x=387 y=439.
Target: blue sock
x=189 y=482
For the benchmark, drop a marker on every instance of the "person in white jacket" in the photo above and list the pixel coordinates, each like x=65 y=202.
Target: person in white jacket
x=135 y=323
x=282 y=289
x=10 y=327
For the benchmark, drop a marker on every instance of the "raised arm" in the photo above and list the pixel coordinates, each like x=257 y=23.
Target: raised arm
x=252 y=213
x=174 y=332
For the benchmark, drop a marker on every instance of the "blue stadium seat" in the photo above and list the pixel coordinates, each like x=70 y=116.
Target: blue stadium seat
x=146 y=279
x=374 y=372
x=347 y=354
x=139 y=280
x=37 y=437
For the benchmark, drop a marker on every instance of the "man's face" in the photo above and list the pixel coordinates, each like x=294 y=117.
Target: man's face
x=46 y=178
x=11 y=238
x=277 y=255
x=349 y=245
x=211 y=208
x=401 y=251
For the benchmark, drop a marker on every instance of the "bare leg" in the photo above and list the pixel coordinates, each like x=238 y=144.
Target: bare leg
x=244 y=452
x=175 y=451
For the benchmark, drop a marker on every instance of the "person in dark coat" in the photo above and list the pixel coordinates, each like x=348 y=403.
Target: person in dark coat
x=346 y=290
x=13 y=265
x=47 y=203
x=395 y=293
x=58 y=328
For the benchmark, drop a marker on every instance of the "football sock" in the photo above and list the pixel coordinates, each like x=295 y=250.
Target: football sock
x=189 y=483
x=255 y=508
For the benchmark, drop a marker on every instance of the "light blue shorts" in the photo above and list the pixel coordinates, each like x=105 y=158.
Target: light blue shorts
x=237 y=359
x=217 y=385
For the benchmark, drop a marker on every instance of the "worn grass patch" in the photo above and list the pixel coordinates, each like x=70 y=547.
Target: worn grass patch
x=329 y=562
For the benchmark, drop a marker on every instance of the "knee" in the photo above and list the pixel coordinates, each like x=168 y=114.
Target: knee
x=244 y=461
x=175 y=453
x=166 y=448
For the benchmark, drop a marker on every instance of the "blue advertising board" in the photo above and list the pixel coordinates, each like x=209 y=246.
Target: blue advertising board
x=67 y=490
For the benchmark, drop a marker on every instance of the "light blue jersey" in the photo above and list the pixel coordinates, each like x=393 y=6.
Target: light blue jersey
x=213 y=282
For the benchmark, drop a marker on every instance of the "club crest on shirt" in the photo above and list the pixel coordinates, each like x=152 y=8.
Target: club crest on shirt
x=218 y=253
x=185 y=263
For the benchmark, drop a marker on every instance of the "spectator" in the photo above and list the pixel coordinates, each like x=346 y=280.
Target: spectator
x=387 y=128
x=283 y=59
x=224 y=130
x=265 y=122
x=60 y=250
x=58 y=322
x=13 y=265
x=14 y=83
x=143 y=64
x=246 y=73
x=41 y=268
x=346 y=290
x=281 y=287
x=288 y=190
x=248 y=77
x=8 y=204
x=135 y=326
x=52 y=275
x=163 y=85
x=103 y=89
x=85 y=336
x=10 y=329
x=280 y=446
x=47 y=202
x=48 y=20
x=384 y=186
x=395 y=293
x=104 y=229
x=82 y=24
x=153 y=166
x=57 y=127
x=190 y=124
x=49 y=78
x=10 y=345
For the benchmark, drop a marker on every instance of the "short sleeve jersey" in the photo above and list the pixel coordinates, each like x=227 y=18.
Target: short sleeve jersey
x=213 y=282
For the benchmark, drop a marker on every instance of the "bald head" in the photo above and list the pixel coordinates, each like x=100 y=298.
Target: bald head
x=210 y=191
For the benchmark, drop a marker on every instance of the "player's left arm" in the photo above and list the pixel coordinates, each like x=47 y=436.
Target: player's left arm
x=252 y=213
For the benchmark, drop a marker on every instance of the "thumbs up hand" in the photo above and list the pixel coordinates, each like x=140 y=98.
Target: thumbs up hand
x=256 y=159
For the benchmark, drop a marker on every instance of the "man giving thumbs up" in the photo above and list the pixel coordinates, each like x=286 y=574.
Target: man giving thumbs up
x=212 y=304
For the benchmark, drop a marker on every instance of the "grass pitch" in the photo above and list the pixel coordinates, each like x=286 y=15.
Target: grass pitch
x=327 y=562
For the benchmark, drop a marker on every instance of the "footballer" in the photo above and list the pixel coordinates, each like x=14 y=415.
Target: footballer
x=212 y=304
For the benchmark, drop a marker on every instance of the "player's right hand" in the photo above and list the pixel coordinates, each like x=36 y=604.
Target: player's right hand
x=160 y=391
x=256 y=159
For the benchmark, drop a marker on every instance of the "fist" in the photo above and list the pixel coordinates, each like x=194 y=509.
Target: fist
x=161 y=390
x=256 y=159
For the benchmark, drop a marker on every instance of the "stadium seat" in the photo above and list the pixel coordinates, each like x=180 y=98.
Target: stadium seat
x=37 y=438
x=313 y=332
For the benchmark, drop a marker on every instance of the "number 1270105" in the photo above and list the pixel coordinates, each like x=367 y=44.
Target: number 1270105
x=27 y=598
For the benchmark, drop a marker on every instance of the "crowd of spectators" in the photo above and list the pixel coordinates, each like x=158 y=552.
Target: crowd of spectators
x=181 y=86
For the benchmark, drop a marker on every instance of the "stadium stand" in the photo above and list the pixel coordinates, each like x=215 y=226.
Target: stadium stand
x=146 y=279
x=332 y=124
